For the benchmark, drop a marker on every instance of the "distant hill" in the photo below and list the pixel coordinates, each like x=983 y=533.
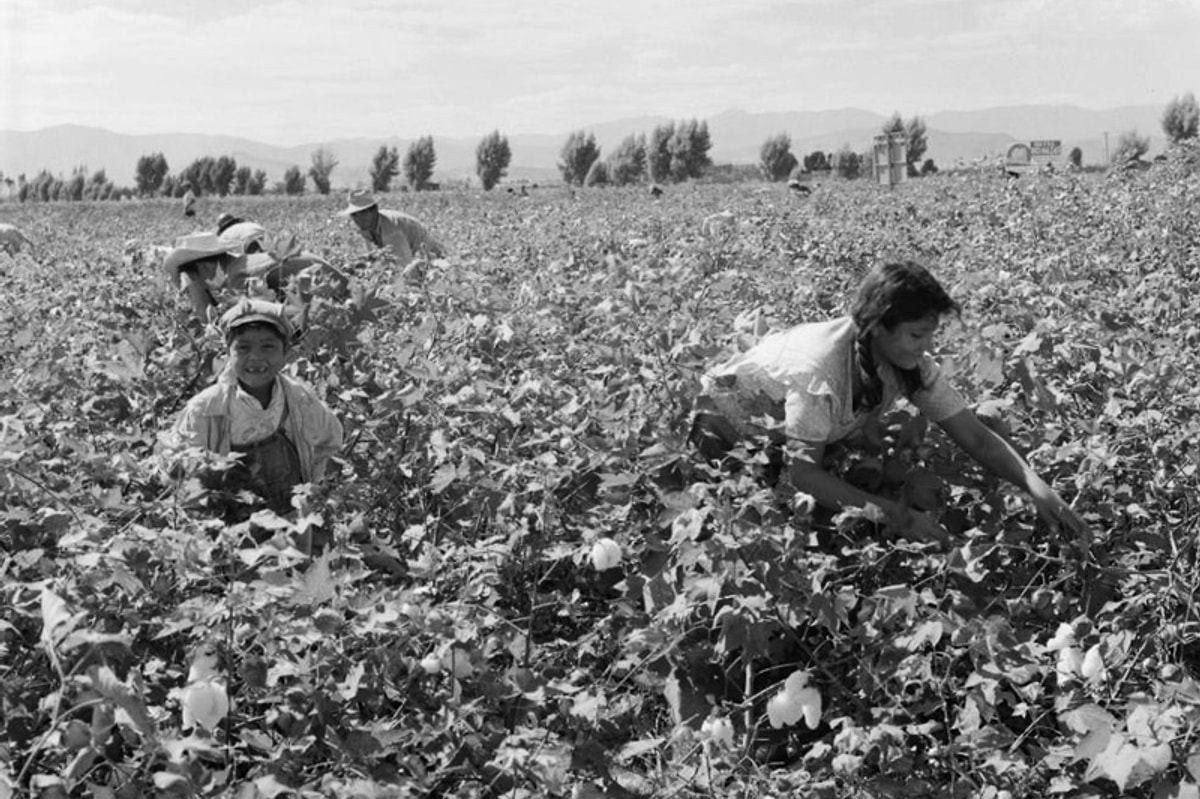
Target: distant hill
x=954 y=137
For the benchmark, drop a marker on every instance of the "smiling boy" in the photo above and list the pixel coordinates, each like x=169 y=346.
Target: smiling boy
x=285 y=433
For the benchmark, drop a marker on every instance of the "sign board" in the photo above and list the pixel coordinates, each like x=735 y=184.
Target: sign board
x=1045 y=147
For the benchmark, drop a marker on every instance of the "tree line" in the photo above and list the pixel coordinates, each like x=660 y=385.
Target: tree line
x=670 y=153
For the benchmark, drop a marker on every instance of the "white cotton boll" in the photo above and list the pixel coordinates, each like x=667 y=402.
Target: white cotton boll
x=783 y=710
x=719 y=730
x=431 y=664
x=606 y=554
x=1070 y=660
x=810 y=704
x=797 y=700
x=1092 y=667
x=1064 y=637
x=205 y=703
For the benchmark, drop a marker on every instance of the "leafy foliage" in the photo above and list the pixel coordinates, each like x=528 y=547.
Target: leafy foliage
x=419 y=162
x=1130 y=148
x=578 y=154
x=385 y=166
x=775 y=158
x=492 y=157
x=323 y=162
x=293 y=181
x=149 y=174
x=519 y=583
x=627 y=163
x=1181 y=118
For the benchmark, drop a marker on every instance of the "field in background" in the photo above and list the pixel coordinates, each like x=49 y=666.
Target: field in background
x=509 y=406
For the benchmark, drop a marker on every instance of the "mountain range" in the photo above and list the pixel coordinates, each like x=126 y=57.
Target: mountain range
x=954 y=138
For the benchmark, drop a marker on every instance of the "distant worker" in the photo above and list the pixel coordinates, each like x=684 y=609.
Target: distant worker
x=404 y=235
x=215 y=274
x=189 y=200
x=12 y=240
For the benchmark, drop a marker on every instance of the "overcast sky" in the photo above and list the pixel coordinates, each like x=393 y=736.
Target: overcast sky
x=298 y=72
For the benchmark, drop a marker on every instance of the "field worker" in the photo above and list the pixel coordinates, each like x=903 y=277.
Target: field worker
x=403 y=234
x=285 y=433
x=823 y=380
x=214 y=274
x=12 y=240
x=189 y=200
x=245 y=237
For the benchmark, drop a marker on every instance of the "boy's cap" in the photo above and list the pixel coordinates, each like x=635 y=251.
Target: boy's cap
x=193 y=248
x=359 y=200
x=247 y=311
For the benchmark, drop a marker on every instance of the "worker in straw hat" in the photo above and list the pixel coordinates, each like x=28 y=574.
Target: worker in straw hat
x=283 y=430
x=215 y=272
x=404 y=235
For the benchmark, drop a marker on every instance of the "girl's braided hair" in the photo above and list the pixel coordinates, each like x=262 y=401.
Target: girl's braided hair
x=891 y=293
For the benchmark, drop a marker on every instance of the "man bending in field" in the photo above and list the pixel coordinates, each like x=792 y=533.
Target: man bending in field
x=214 y=273
x=404 y=235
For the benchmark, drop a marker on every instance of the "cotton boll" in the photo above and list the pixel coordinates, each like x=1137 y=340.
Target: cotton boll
x=1064 y=637
x=1070 y=660
x=1092 y=666
x=719 y=730
x=606 y=554
x=205 y=703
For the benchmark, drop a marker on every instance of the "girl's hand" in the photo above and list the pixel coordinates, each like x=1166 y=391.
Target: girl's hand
x=1061 y=516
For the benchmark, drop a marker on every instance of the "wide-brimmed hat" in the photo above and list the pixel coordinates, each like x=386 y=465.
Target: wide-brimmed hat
x=247 y=311
x=193 y=248
x=359 y=200
x=239 y=235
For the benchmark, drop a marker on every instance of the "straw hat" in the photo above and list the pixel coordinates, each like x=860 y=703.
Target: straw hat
x=193 y=248
x=359 y=200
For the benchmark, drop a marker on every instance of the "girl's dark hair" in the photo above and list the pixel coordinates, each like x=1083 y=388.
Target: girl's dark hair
x=891 y=293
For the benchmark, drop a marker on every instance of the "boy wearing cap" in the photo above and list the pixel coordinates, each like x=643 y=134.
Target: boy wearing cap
x=285 y=433
x=404 y=235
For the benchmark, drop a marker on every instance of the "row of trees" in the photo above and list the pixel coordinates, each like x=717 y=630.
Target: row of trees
x=777 y=162
x=492 y=158
x=674 y=152
x=45 y=187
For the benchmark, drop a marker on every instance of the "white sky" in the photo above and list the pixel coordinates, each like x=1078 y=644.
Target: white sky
x=297 y=71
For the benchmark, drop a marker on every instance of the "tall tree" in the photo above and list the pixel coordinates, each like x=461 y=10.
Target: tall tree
x=323 y=162
x=917 y=142
x=578 y=154
x=492 y=158
x=293 y=180
x=627 y=163
x=658 y=152
x=385 y=165
x=219 y=176
x=419 y=162
x=849 y=163
x=151 y=170
x=689 y=148
x=1181 y=118
x=775 y=159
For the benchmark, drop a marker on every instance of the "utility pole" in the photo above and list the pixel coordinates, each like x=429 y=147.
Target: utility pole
x=1106 y=148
